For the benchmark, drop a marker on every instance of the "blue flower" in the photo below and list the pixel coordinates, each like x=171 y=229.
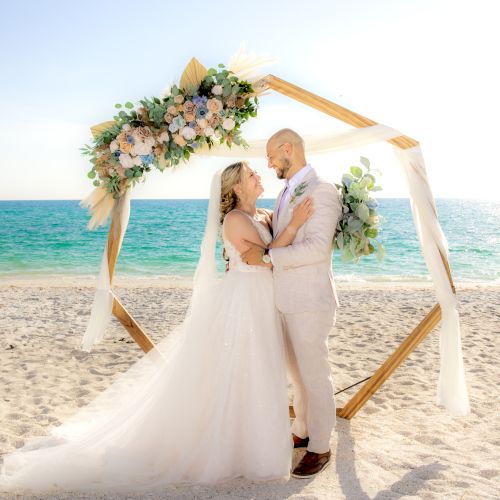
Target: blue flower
x=201 y=112
x=200 y=100
x=372 y=204
x=130 y=139
x=147 y=159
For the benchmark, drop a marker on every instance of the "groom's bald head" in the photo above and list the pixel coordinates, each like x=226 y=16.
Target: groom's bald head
x=287 y=135
x=285 y=153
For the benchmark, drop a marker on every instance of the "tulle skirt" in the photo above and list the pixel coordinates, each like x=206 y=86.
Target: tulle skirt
x=209 y=404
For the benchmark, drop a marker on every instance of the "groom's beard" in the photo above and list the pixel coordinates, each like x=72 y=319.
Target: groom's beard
x=284 y=168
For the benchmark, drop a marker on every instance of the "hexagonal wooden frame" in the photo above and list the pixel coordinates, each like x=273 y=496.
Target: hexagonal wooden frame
x=271 y=82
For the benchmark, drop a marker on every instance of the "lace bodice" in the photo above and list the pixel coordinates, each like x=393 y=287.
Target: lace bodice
x=235 y=261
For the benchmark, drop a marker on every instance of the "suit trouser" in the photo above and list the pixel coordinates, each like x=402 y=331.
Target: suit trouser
x=306 y=341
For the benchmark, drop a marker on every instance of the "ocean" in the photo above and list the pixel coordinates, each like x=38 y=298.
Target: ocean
x=50 y=238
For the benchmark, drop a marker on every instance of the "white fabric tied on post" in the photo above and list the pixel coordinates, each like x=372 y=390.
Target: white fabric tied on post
x=102 y=306
x=452 y=390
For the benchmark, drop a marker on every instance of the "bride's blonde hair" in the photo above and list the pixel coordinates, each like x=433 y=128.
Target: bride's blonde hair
x=230 y=176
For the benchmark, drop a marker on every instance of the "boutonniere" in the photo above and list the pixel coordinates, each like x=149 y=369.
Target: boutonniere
x=299 y=191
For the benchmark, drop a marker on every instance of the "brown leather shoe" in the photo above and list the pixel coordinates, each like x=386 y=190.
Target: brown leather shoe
x=311 y=464
x=300 y=442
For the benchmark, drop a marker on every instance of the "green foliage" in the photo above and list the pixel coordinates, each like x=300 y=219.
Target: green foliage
x=150 y=114
x=357 y=229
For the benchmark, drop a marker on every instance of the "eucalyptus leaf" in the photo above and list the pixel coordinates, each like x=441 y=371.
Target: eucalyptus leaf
x=365 y=161
x=363 y=212
x=356 y=172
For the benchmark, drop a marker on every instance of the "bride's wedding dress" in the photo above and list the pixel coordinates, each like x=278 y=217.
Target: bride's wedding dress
x=209 y=404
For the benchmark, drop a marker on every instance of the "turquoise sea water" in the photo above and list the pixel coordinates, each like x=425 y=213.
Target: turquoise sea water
x=46 y=238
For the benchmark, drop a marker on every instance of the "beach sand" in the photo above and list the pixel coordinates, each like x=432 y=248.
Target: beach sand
x=399 y=445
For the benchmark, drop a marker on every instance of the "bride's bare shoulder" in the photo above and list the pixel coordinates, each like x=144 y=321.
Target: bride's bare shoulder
x=236 y=219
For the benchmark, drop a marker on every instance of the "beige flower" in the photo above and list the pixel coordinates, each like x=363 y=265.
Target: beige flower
x=189 y=107
x=214 y=105
x=202 y=122
x=141 y=148
x=228 y=124
x=231 y=101
x=179 y=140
x=126 y=161
x=163 y=137
x=168 y=117
x=214 y=121
x=179 y=107
x=198 y=130
x=172 y=110
x=217 y=90
x=189 y=117
x=209 y=131
x=240 y=102
x=179 y=99
x=125 y=147
x=143 y=132
x=114 y=146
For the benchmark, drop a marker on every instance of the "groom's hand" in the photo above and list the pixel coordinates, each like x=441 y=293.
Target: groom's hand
x=252 y=256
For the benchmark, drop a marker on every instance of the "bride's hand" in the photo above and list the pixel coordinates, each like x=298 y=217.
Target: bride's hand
x=301 y=213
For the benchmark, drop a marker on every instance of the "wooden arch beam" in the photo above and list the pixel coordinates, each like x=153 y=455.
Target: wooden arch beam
x=408 y=345
x=434 y=316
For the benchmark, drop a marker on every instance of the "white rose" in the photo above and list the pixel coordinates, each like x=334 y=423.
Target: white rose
x=126 y=127
x=126 y=161
x=141 y=148
x=188 y=133
x=114 y=146
x=217 y=90
x=163 y=137
x=137 y=161
x=149 y=141
x=209 y=131
x=228 y=124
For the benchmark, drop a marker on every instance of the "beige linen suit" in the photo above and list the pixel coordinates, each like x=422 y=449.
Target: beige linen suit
x=306 y=298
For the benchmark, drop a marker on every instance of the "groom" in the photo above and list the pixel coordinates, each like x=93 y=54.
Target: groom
x=305 y=295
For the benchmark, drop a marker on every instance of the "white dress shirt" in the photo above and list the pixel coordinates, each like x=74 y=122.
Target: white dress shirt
x=291 y=184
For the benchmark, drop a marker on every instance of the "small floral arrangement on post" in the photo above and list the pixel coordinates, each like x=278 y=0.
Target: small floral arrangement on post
x=358 y=227
x=208 y=107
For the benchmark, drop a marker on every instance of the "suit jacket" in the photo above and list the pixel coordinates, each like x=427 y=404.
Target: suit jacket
x=302 y=271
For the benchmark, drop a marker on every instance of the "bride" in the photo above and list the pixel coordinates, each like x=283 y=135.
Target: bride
x=209 y=403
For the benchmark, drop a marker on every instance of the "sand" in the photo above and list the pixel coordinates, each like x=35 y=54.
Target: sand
x=400 y=445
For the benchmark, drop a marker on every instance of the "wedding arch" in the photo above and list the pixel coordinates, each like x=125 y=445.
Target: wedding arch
x=451 y=391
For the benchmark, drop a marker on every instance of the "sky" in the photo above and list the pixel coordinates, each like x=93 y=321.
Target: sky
x=428 y=68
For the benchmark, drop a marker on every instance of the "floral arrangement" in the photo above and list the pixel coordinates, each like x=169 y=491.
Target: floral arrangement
x=358 y=227
x=208 y=107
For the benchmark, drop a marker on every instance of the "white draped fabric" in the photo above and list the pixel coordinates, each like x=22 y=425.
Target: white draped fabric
x=452 y=391
x=102 y=306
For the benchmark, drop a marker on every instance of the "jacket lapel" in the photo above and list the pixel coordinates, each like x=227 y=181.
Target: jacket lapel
x=275 y=211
